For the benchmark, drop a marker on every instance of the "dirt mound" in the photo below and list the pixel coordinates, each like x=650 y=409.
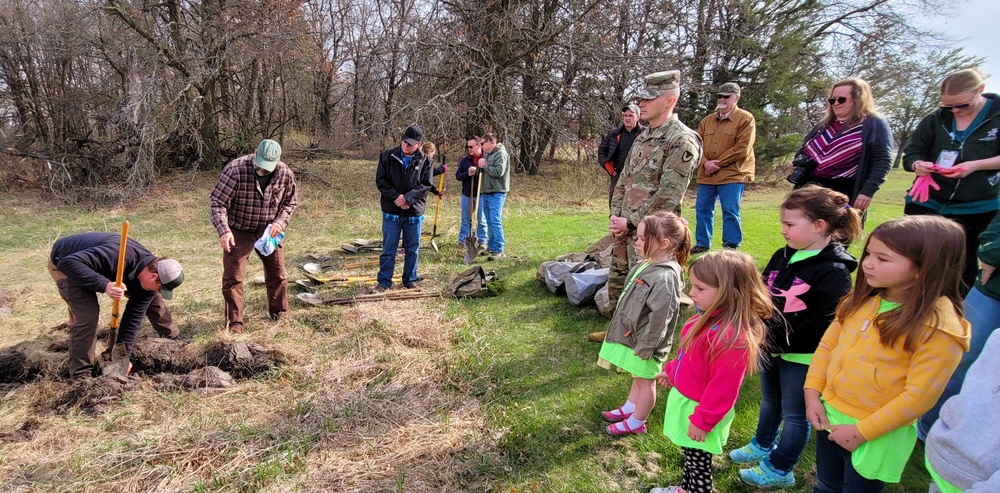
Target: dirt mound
x=158 y=355
x=26 y=361
x=244 y=359
x=92 y=395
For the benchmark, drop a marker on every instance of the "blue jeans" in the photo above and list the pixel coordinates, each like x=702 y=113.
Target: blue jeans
x=463 y=232
x=492 y=205
x=783 y=399
x=730 y=195
x=835 y=472
x=983 y=313
x=392 y=227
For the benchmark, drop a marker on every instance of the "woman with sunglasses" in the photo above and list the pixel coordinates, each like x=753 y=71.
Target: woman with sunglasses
x=957 y=147
x=850 y=150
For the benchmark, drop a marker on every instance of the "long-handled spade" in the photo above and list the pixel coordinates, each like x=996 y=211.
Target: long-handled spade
x=115 y=360
x=437 y=211
x=472 y=242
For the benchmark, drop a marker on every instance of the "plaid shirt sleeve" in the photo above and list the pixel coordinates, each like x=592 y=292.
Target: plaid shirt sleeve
x=222 y=198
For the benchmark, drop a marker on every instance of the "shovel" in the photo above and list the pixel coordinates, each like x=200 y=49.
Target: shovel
x=115 y=360
x=437 y=210
x=471 y=242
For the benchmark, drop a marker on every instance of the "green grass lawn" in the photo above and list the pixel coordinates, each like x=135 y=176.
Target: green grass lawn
x=497 y=394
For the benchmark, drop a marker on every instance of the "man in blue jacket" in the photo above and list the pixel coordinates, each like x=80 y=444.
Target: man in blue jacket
x=403 y=179
x=85 y=264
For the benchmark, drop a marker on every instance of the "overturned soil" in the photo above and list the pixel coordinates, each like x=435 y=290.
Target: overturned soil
x=168 y=364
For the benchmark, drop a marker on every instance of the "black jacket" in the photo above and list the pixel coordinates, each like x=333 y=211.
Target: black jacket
x=817 y=284
x=90 y=260
x=933 y=135
x=875 y=159
x=392 y=181
x=608 y=149
x=469 y=183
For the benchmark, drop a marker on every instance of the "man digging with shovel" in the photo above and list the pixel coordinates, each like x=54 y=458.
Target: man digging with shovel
x=84 y=265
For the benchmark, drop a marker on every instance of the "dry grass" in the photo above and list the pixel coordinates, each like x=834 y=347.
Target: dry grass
x=367 y=403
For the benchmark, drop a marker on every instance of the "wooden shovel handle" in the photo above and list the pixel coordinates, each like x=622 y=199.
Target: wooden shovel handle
x=119 y=274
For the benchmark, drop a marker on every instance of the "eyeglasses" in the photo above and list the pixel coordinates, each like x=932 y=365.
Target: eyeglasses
x=472 y=147
x=960 y=106
x=722 y=96
x=840 y=100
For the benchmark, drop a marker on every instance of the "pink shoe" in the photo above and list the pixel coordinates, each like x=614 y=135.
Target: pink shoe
x=616 y=415
x=615 y=430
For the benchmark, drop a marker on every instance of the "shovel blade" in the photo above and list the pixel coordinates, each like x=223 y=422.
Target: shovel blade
x=117 y=363
x=471 y=249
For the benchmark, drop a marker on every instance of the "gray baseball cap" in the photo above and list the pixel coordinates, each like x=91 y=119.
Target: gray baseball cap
x=634 y=108
x=659 y=82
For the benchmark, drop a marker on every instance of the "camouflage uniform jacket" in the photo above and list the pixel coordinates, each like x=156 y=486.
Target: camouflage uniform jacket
x=657 y=172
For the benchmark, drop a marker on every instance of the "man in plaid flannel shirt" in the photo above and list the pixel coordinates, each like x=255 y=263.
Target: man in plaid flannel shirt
x=254 y=191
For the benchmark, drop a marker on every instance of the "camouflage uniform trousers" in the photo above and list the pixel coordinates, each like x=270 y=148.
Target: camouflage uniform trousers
x=623 y=258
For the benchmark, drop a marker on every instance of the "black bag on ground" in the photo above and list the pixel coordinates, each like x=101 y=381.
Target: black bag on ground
x=470 y=283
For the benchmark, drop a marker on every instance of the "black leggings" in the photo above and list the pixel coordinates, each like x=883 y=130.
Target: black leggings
x=697 y=471
x=973 y=225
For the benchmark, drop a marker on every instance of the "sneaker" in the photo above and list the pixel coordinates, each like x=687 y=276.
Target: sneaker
x=766 y=476
x=482 y=247
x=749 y=453
x=616 y=415
x=597 y=336
x=624 y=429
x=380 y=288
x=495 y=256
x=666 y=489
x=698 y=249
x=730 y=246
x=409 y=285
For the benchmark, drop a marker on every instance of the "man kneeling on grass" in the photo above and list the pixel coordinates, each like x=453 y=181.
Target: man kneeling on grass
x=83 y=265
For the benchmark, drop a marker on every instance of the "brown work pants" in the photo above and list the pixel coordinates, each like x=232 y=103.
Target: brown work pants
x=234 y=267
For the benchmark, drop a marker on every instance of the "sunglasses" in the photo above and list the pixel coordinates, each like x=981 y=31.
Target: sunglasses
x=959 y=106
x=722 y=96
x=472 y=147
x=840 y=100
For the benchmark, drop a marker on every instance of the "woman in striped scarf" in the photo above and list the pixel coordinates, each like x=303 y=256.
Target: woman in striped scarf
x=850 y=150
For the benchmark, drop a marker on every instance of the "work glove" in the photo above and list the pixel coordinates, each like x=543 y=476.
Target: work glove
x=267 y=245
x=920 y=192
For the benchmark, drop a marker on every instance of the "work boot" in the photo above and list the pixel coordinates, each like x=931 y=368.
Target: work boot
x=597 y=336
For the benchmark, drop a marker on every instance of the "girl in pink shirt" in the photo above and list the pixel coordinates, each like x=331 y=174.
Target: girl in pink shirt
x=719 y=346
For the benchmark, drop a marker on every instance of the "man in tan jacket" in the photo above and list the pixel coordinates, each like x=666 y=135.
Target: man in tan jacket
x=727 y=165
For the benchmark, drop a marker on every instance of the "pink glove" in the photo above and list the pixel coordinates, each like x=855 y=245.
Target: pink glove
x=921 y=188
x=951 y=171
x=445 y=166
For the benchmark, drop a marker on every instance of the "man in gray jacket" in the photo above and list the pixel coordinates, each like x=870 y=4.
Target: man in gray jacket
x=496 y=184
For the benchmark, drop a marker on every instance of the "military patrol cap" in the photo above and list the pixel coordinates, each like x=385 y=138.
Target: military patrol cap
x=729 y=88
x=658 y=83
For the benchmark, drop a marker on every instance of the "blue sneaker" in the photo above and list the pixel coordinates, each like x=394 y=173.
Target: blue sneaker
x=766 y=476
x=749 y=453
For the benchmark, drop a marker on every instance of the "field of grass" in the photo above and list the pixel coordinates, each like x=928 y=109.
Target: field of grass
x=493 y=394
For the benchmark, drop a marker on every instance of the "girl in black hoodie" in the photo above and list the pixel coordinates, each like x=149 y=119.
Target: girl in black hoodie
x=807 y=279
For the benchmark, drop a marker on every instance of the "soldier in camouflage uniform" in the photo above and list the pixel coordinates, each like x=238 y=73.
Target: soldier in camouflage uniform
x=656 y=174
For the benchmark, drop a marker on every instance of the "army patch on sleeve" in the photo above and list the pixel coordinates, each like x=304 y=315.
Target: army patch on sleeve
x=687 y=156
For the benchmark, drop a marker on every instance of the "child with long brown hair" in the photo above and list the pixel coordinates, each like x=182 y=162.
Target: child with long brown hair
x=807 y=278
x=885 y=359
x=719 y=346
x=642 y=330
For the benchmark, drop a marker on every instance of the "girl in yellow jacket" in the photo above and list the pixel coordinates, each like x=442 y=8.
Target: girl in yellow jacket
x=896 y=339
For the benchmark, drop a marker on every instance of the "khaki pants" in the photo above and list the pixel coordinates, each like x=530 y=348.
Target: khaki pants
x=234 y=267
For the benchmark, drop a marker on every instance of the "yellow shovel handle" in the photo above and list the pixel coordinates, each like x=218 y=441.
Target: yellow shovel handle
x=116 y=305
